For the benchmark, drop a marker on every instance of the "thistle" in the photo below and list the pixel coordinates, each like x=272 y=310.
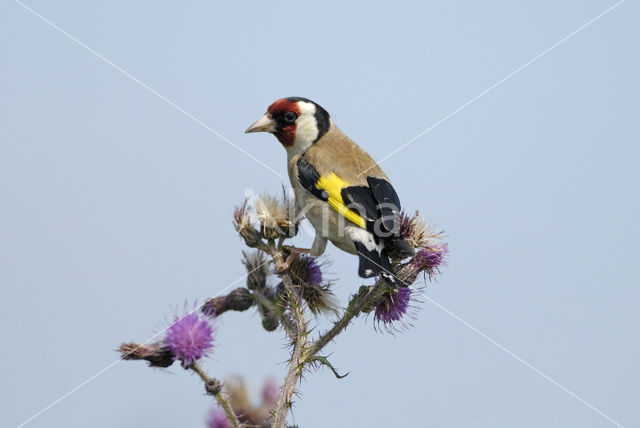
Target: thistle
x=239 y=399
x=239 y=299
x=430 y=258
x=301 y=285
x=416 y=231
x=189 y=338
x=218 y=418
x=392 y=310
x=276 y=216
x=258 y=269
x=156 y=354
x=242 y=224
x=306 y=272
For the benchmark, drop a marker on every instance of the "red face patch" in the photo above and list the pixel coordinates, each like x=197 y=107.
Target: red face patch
x=286 y=132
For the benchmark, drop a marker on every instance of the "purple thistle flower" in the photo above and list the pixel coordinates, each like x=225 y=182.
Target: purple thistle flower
x=306 y=273
x=189 y=338
x=430 y=258
x=214 y=306
x=394 y=310
x=314 y=274
x=405 y=224
x=270 y=392
x=393 y=307
x=218 y=419
x=306 y=270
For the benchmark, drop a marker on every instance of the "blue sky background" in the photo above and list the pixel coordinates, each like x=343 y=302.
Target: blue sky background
x=115 y=207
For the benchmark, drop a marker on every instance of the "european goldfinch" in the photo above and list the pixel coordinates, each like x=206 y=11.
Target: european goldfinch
x=341 y=190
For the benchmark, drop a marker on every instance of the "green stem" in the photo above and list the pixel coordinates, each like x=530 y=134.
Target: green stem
x=302 y=353
x=214 y=387
x=296 y=363
x=353 y=310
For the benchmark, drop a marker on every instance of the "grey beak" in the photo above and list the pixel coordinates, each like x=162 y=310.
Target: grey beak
x=264 y=124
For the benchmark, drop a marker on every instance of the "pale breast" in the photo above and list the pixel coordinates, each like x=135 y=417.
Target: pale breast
x=324 y=219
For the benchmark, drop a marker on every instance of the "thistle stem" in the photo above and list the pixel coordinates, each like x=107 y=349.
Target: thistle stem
x=214 y=387
x=352 y=311
x=296 y=363
x=302 y=353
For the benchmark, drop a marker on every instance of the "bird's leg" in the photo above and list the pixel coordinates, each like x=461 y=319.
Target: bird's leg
x=291 y=253
x=291 y=249
x=319 y=245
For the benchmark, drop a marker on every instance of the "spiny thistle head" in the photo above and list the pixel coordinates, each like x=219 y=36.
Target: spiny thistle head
x=156 y=354
x=267 y=307
x=257 y=267
x=392 y=310
x=239 y=299
x=430 y=258
x=189 y=338
x=276 y=216
x=239 y=397
x=240 y=401
x=242 y=224
x=218 y=418
x=319 y=298
x=416 y=231
x=305 y=269
x=306 y=273
x=314 y=273
x=270 y=392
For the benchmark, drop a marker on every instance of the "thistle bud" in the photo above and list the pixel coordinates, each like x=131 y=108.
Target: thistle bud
x=258 y=269
x=156 y=354
x=306 y=273
x=215 y=306
x=242 y=224
x=213 y=387
x=269 y=322
x=239 y=299
x=267 y=307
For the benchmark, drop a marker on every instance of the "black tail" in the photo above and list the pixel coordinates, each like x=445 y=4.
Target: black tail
x=400 y=245
x=375 y=262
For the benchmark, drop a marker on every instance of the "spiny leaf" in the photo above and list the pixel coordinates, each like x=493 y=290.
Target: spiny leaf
x=325 y=362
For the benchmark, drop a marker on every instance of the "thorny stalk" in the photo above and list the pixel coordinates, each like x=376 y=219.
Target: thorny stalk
x=286 y=305
x=214 y=387
x=352 y=311
x=303 y=353
x=297 y=361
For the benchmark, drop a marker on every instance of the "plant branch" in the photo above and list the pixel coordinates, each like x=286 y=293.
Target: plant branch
x=214 y=387
x=296 y=363
x=353 y=310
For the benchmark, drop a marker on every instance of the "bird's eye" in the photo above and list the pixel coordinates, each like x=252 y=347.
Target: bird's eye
x=290 y=117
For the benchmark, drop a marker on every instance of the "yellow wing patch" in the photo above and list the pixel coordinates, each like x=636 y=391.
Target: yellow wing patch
x=333 y=185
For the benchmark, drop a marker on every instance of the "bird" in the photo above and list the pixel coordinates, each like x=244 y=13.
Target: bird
x=338 y=187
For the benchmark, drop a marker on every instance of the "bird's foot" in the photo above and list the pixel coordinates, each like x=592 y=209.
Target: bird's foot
x=291 y=249
x=292 y=254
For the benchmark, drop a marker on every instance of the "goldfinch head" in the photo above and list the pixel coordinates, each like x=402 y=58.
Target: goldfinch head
x=296 y=122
